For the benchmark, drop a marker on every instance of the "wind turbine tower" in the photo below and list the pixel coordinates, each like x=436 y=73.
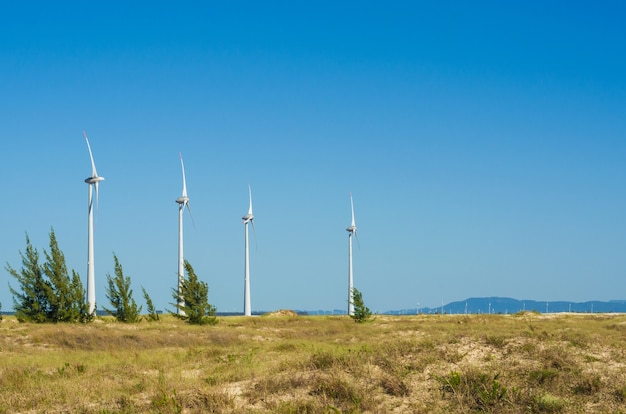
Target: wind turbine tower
x=351 y=232
x=183 y=201
x=91 y=278
x=248 y=218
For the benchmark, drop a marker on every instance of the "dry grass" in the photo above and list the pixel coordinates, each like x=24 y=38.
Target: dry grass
x=324 y=364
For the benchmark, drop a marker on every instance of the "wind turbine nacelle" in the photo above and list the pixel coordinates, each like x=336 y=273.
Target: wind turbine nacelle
x=93 y=180
x=182 y=200
x=351 y=229
x=247 y=217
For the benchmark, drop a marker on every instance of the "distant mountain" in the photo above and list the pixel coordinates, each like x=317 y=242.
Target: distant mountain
x=509 y=305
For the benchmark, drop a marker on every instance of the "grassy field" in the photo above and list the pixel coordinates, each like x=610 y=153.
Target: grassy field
x=283 y=363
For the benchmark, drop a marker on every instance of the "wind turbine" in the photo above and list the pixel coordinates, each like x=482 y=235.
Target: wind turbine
x=183 y=201
x=248 y=218
x=351 y=231
x=91 y=278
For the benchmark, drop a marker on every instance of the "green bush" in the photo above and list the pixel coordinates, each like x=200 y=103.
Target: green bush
x=193 y=300
x=361 y=312
x=120 y=295
x=152 y=313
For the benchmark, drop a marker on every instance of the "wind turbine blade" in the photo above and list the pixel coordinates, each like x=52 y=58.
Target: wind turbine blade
x=93 y=164
x=190 y=215
x=184 y=180
x=250 y=208
x=256 y=243
x=357 y=240
x=352 y=205
x=96 y=186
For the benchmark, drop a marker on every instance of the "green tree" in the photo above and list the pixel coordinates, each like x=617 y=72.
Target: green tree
x=361 y=312
x=78 y=298
x=66 y=295
x=152 y=313
x=31 y=304
x=120 y=295
x=193 y=300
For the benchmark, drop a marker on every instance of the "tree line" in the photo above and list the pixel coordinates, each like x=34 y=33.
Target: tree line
x=48 y=293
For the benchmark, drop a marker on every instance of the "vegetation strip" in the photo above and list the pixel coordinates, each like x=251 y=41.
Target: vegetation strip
x=524 y=362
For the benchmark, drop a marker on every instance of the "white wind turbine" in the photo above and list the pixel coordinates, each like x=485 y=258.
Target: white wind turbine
x=91 y=278
x=351 y=231
x=183 y=201
x=248 y=218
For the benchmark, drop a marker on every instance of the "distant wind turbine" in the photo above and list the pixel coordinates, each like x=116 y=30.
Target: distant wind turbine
x=183 y=201
x=91 y=278
x=351 y=231
x=248 y=218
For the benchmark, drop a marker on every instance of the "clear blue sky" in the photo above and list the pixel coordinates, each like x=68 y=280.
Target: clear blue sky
x=484 y=143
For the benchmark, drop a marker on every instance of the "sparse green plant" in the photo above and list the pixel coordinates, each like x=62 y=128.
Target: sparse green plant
x=165 y=401
x=361 y=312
x=152 y=313
x=549 y=403
x=194 y=302
x=120 y=295
x=474 y=389
x=543 y=376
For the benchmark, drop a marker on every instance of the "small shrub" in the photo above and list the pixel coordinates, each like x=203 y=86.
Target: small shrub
x=265 y=388
x=322 y=360
x=165 y=401
x=120 y=295
x=152 y=313
x=557 y=358
x=345 y=395
x=549 y=403
x=587 y=386
x=394 y=386
x=211 y=402
x=450 y=383
x=474 y=389
x=497 y=341
x=542 y=376
x=361 y=312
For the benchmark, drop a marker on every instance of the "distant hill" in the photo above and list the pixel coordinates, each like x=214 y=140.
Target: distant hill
x=509 y=305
